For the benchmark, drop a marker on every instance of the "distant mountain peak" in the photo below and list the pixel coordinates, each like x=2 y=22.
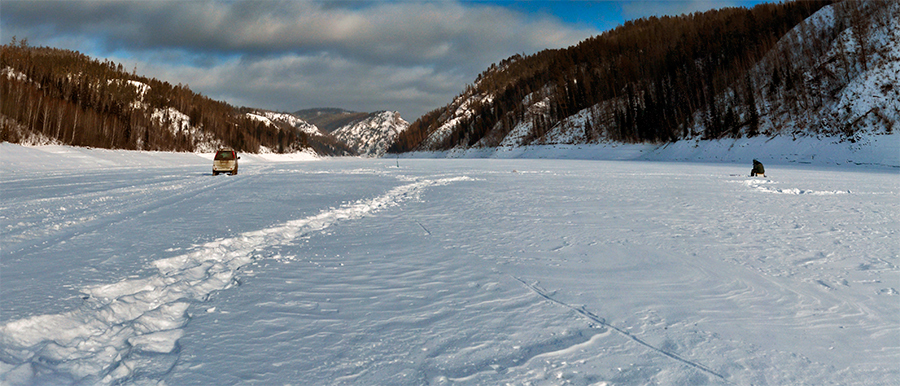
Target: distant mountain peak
x=369 y=134
x=373 y=134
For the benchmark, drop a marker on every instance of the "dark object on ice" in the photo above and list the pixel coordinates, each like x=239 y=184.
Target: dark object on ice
x=758 y=169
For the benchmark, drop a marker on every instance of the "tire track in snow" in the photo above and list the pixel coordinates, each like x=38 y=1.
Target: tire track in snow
x=593 y=317
x=131 y=328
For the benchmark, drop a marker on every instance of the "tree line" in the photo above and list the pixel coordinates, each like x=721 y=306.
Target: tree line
x=649 y=80
x=70 y=98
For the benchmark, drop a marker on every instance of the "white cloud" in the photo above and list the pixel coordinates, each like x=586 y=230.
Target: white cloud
x=290 y=82
x=286 y=55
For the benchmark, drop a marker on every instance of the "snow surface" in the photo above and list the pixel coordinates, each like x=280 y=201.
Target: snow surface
x=141 y=268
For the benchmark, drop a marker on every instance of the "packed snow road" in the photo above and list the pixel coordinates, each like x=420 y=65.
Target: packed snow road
x=142 y=268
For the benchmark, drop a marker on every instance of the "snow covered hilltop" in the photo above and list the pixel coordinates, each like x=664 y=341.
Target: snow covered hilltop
x=798 y=69
x=369 y=134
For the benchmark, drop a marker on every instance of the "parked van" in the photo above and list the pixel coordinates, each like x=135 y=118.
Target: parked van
x=226 y=161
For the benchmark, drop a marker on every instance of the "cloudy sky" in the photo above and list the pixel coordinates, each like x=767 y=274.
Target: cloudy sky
x=409 y=56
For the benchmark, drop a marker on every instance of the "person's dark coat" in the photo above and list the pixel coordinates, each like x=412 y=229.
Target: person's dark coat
x=758 y=169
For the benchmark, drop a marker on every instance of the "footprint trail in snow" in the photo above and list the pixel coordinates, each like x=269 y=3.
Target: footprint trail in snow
x=127 y=328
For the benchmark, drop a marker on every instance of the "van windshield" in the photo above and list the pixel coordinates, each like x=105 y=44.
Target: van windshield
x=225 y=156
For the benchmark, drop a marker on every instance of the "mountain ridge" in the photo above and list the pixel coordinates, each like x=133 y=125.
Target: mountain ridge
x=726 y=73
x=374 y=134
x=56 y=96
x=369 y=134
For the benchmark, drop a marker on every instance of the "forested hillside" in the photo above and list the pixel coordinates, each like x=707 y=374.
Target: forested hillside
x=366 y=134
x=50 y=95
x=372 y=134
x=723 y=73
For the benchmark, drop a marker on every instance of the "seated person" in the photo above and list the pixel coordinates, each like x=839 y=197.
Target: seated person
x=758 y=169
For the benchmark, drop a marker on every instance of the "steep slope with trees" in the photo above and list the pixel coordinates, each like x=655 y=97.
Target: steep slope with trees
x=373 y=134
x=51 y=95
x=723 y=73
x=368 y=134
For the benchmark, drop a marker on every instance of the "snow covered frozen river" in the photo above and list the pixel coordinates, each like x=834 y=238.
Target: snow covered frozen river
x=142 y=268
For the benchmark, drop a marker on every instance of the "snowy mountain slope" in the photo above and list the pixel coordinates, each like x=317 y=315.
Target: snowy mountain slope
x=93 y=103
x=368 y=134
x=318 y=140
x=461 y=108
x=174 y=122
x=372 y=135
x=270 y=117
x=140 y=90
x=831 y=93
x=126 y=269
x=844 y=80
x=179 y=125
x=832 y=77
